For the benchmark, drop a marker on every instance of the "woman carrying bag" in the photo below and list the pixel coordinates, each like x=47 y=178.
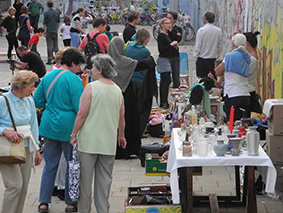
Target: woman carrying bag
x=16 y=176
x=25 y=28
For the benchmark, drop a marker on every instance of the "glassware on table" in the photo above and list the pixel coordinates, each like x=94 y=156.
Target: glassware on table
x=235 y=144
x=203 y=145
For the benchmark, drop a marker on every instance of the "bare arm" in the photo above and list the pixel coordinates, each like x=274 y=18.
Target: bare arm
x=29 y=26
x=219 y=70
x=78 y=25
x=20 y=65
x=82 y=114
x=121 y=137
x=5 y=31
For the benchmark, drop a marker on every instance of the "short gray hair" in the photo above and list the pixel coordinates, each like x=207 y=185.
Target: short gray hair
x=106 y=64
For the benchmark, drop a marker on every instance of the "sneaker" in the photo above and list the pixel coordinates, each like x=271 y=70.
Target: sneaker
x=48 y=62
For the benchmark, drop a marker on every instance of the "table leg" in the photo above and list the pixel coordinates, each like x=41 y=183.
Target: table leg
x=189 y=190
x=186 y=186
x=252 y=205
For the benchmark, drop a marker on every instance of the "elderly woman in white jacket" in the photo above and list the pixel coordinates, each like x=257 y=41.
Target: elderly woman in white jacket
x=235 y=67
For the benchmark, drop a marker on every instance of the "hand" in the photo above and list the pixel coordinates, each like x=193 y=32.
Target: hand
x=165 y=155
x=38 y=158
x=73 y=141
x=13 y=135
x=174 y=43
x=210 y=75
x=83 y=75
x=122 y=142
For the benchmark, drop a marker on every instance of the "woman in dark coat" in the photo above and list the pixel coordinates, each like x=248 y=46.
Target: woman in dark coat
x=125 y=68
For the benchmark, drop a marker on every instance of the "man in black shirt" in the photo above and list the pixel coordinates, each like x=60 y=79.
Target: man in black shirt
x=134 y=18
x=175 y=34
x=30 y=61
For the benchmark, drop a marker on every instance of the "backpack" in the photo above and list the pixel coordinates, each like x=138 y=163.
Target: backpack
x=92 y=48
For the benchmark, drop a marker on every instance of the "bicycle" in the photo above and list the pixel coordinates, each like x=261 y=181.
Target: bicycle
x=114 y=16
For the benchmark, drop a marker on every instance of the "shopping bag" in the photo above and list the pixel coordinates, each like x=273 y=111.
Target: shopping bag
x=74 y=176
x=12 y=153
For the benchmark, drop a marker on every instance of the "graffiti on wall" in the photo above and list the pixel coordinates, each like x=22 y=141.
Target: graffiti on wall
x=265 y=16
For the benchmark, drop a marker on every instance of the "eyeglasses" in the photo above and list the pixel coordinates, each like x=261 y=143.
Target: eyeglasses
x=166 y=23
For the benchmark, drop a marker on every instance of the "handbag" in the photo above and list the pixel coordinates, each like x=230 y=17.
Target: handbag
x=163 y=65
x=19 y=33
x=74 y=176
x=11 y=153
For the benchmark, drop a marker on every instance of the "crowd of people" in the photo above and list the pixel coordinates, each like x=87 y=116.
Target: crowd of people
x=107 y=117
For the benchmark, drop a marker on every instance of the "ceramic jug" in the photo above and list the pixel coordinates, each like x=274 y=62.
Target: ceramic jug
x=220 y=148
x=253 y=139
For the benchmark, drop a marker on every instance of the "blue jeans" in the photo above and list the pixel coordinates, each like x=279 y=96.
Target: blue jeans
x=75 y=39
x=52 y=154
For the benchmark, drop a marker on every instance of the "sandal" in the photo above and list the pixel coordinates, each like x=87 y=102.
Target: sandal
x=74 y=208
x=45 y=210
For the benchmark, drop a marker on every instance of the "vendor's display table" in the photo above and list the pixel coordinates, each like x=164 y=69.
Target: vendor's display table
x=176 y=160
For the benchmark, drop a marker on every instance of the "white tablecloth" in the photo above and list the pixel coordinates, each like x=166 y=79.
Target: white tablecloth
x=176 y=160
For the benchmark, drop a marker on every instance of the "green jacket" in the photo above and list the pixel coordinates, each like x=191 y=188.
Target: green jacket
x=35 y=8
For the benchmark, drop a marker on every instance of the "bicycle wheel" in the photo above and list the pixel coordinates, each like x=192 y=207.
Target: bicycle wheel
x=189 y=33
x=111 y=20
x=155 y=31
x=143 y=22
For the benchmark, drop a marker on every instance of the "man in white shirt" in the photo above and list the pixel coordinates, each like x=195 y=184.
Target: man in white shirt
x=208 y=45
x=132 y=7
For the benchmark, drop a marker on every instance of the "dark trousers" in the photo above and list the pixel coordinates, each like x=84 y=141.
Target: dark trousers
x=204 y=66
x=165 y=80
x=52 y=44
x=241 y=107
x=25 y=39
x=67 y=42
x=175 y=64
x=34 y=22
x=12 y=42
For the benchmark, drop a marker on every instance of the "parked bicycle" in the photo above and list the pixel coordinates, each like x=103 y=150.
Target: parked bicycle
x=114 y=16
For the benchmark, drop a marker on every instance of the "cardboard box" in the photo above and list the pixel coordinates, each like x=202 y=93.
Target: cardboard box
x=274 y=147
x=275 y=122
x=135 y=199
x=168 y=208
x=155 y=166
x=279 y=181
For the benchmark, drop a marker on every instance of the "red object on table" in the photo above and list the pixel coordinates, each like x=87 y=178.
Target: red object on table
x=231 y=119
x=242 y=131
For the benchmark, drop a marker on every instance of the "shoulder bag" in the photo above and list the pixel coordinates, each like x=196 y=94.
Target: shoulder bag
x=21 y=25
x=11 y=153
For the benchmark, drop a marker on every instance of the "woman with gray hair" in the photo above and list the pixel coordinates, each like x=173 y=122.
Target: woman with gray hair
x=235 y=68
x=100 y=115
x=16 y=176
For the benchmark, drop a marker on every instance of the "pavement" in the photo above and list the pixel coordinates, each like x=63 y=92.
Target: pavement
x=129 y=173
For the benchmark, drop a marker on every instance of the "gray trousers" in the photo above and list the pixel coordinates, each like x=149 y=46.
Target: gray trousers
x=52 y=44
x=101 y=166
x=16 y=179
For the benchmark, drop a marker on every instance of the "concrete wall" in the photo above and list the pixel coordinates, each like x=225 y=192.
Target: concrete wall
x=4 y=5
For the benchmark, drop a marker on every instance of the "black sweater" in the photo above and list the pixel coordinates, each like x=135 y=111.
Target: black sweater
x=164 y=47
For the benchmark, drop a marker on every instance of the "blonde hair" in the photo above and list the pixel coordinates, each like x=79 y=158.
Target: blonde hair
x=59 y=54
x=142 y=35
x=162 y=21
x=11 y=8
x=23 y=78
